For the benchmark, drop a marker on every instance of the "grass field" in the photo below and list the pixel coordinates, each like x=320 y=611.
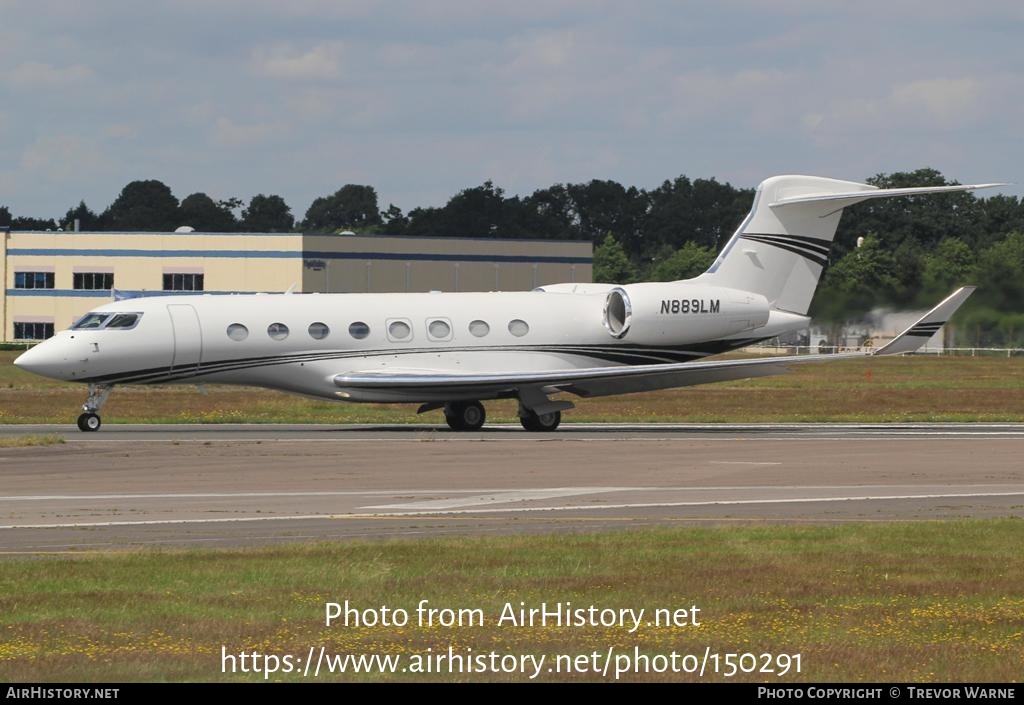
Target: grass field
x=886 y=389
x=25 y=441
x=928 y=601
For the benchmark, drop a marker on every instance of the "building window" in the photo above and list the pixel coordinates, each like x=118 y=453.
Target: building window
x=33 y=331
x=93 y=280
x=359 y=330
x=34 y=280
x=318 y=331
x=277 y=331
x=183 y=282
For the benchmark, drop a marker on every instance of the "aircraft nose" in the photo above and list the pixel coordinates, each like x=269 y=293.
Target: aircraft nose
x=44 y=359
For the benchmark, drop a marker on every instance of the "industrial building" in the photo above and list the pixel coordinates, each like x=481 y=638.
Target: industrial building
x=52 y=278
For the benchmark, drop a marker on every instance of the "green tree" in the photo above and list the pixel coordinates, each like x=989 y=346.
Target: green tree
x=472 y=212
x=267 y=214
x=949 y=265
x=351 y=206
x=687 y=262
x=143 y=205
x=601 y=207
x=703 y=211
x=861 y=280
x=5 y=216
x=395 y=223
x=87 y=219
x=611 y=264
x=26 y=223
x=552 y=214
x=1000 y=274
x=205 y=215
x=929 y=219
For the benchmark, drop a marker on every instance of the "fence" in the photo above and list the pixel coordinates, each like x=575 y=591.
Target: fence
x=776 y=349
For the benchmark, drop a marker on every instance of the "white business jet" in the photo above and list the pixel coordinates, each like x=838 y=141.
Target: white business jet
x=450 y=350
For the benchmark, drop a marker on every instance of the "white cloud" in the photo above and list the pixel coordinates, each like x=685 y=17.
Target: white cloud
x=121 y=131
x=319 y=62
x=923 y=104
x=229 y=133
x=32 y=73
x=945 y=102
x=63 y=158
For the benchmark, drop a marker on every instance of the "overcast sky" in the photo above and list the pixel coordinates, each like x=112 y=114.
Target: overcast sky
x=423 y=98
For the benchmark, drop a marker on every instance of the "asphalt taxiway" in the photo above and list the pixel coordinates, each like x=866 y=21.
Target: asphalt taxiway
x=229 y=485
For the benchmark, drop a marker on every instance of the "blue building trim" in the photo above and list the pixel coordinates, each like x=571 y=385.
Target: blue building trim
x=439 y=257
x=446 y=238
x=68 y=252
x=306 y=254
x=104 y=294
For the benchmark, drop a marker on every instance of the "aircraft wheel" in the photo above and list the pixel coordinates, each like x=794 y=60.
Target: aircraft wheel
x=465 y=416
x=541 y=422
x=89 y=422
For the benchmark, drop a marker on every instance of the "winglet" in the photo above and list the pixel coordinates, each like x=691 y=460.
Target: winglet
x=928 y=325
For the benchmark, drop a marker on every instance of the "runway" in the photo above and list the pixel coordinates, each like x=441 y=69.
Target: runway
x=232 y=485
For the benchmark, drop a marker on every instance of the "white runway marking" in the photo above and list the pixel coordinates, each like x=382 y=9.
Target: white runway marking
x=505 y=510
x=743 y=462
x=499 y=498
x=556 y=492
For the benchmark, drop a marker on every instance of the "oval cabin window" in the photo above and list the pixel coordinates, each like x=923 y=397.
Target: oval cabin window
x=518 y=328
x=318 y=331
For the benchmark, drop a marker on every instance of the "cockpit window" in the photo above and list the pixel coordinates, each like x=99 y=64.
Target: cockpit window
x=123 y=320
x=91 y=320
x=95 y=321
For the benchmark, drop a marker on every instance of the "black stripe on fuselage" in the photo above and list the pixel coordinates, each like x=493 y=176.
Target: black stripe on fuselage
x=814 y=249
x=628 y=355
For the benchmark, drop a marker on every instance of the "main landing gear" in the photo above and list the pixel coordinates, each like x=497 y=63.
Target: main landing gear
x=470 y=415
x=89 y=420
x=533 y=421
x=465 y=415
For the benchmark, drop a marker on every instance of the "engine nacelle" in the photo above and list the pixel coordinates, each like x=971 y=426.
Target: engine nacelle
x=674 y=313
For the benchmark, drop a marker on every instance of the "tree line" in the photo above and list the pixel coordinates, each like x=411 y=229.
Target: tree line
x=913 y=250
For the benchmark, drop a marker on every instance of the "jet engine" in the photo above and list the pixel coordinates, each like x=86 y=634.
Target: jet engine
x=675 y=313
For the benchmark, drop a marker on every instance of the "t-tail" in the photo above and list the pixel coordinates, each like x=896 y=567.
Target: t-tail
x=783 y=245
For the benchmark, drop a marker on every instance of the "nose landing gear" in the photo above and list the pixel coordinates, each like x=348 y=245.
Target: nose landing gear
x=89 y=420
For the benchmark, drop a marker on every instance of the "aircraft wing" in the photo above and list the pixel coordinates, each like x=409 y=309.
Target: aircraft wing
x=601 y=381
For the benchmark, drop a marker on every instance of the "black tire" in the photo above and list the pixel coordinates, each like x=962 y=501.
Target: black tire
x=465 y=415
x=89 y=422
x=541 y=422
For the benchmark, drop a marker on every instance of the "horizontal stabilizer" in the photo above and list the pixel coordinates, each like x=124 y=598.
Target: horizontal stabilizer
x=848 y=198
x=927 y=326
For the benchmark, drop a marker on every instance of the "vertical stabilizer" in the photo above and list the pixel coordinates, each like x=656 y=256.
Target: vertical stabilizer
x=782 y=247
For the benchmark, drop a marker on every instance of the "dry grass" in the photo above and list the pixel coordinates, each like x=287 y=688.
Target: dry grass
x=929 y=601
x=48 y=439
x=889 y=389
